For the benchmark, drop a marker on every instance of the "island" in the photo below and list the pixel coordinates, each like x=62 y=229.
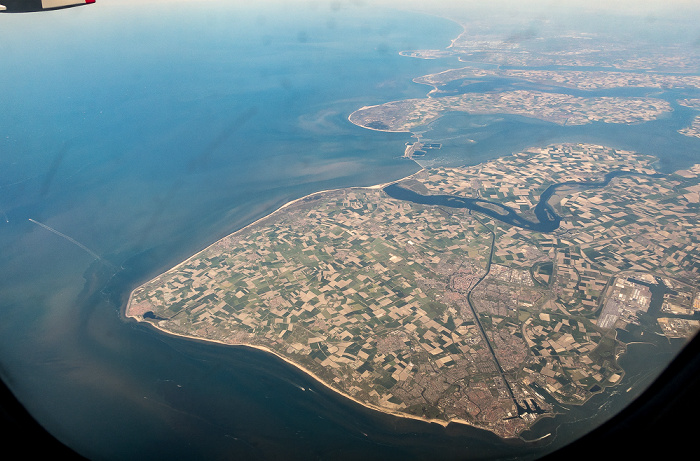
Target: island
x=577 y=79
x=450 y=304
x=694 y=129
x=558 y=108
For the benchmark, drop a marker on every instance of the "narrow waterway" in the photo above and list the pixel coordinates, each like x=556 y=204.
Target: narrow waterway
x=547 y=219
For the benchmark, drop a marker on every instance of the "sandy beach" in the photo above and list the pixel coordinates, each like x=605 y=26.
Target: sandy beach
x=309 y=373
x=369 y=127
x=139 y=318
x=267 y=216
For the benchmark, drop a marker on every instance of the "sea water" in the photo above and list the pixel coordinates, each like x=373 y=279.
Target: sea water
x=145 y=133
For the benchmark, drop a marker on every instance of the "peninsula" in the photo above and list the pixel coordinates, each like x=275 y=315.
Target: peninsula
x=446 y=314
x=492 y=294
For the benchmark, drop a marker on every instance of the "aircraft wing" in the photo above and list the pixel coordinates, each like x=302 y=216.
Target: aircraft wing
x=27 y=6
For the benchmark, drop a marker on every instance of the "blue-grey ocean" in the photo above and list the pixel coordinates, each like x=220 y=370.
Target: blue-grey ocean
x=141 y=133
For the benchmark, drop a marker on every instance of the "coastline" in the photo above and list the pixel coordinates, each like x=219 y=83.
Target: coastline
x=125 y=309
x=496 y=429
x=319 y=380
x=140 y=319
x=369 y=127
